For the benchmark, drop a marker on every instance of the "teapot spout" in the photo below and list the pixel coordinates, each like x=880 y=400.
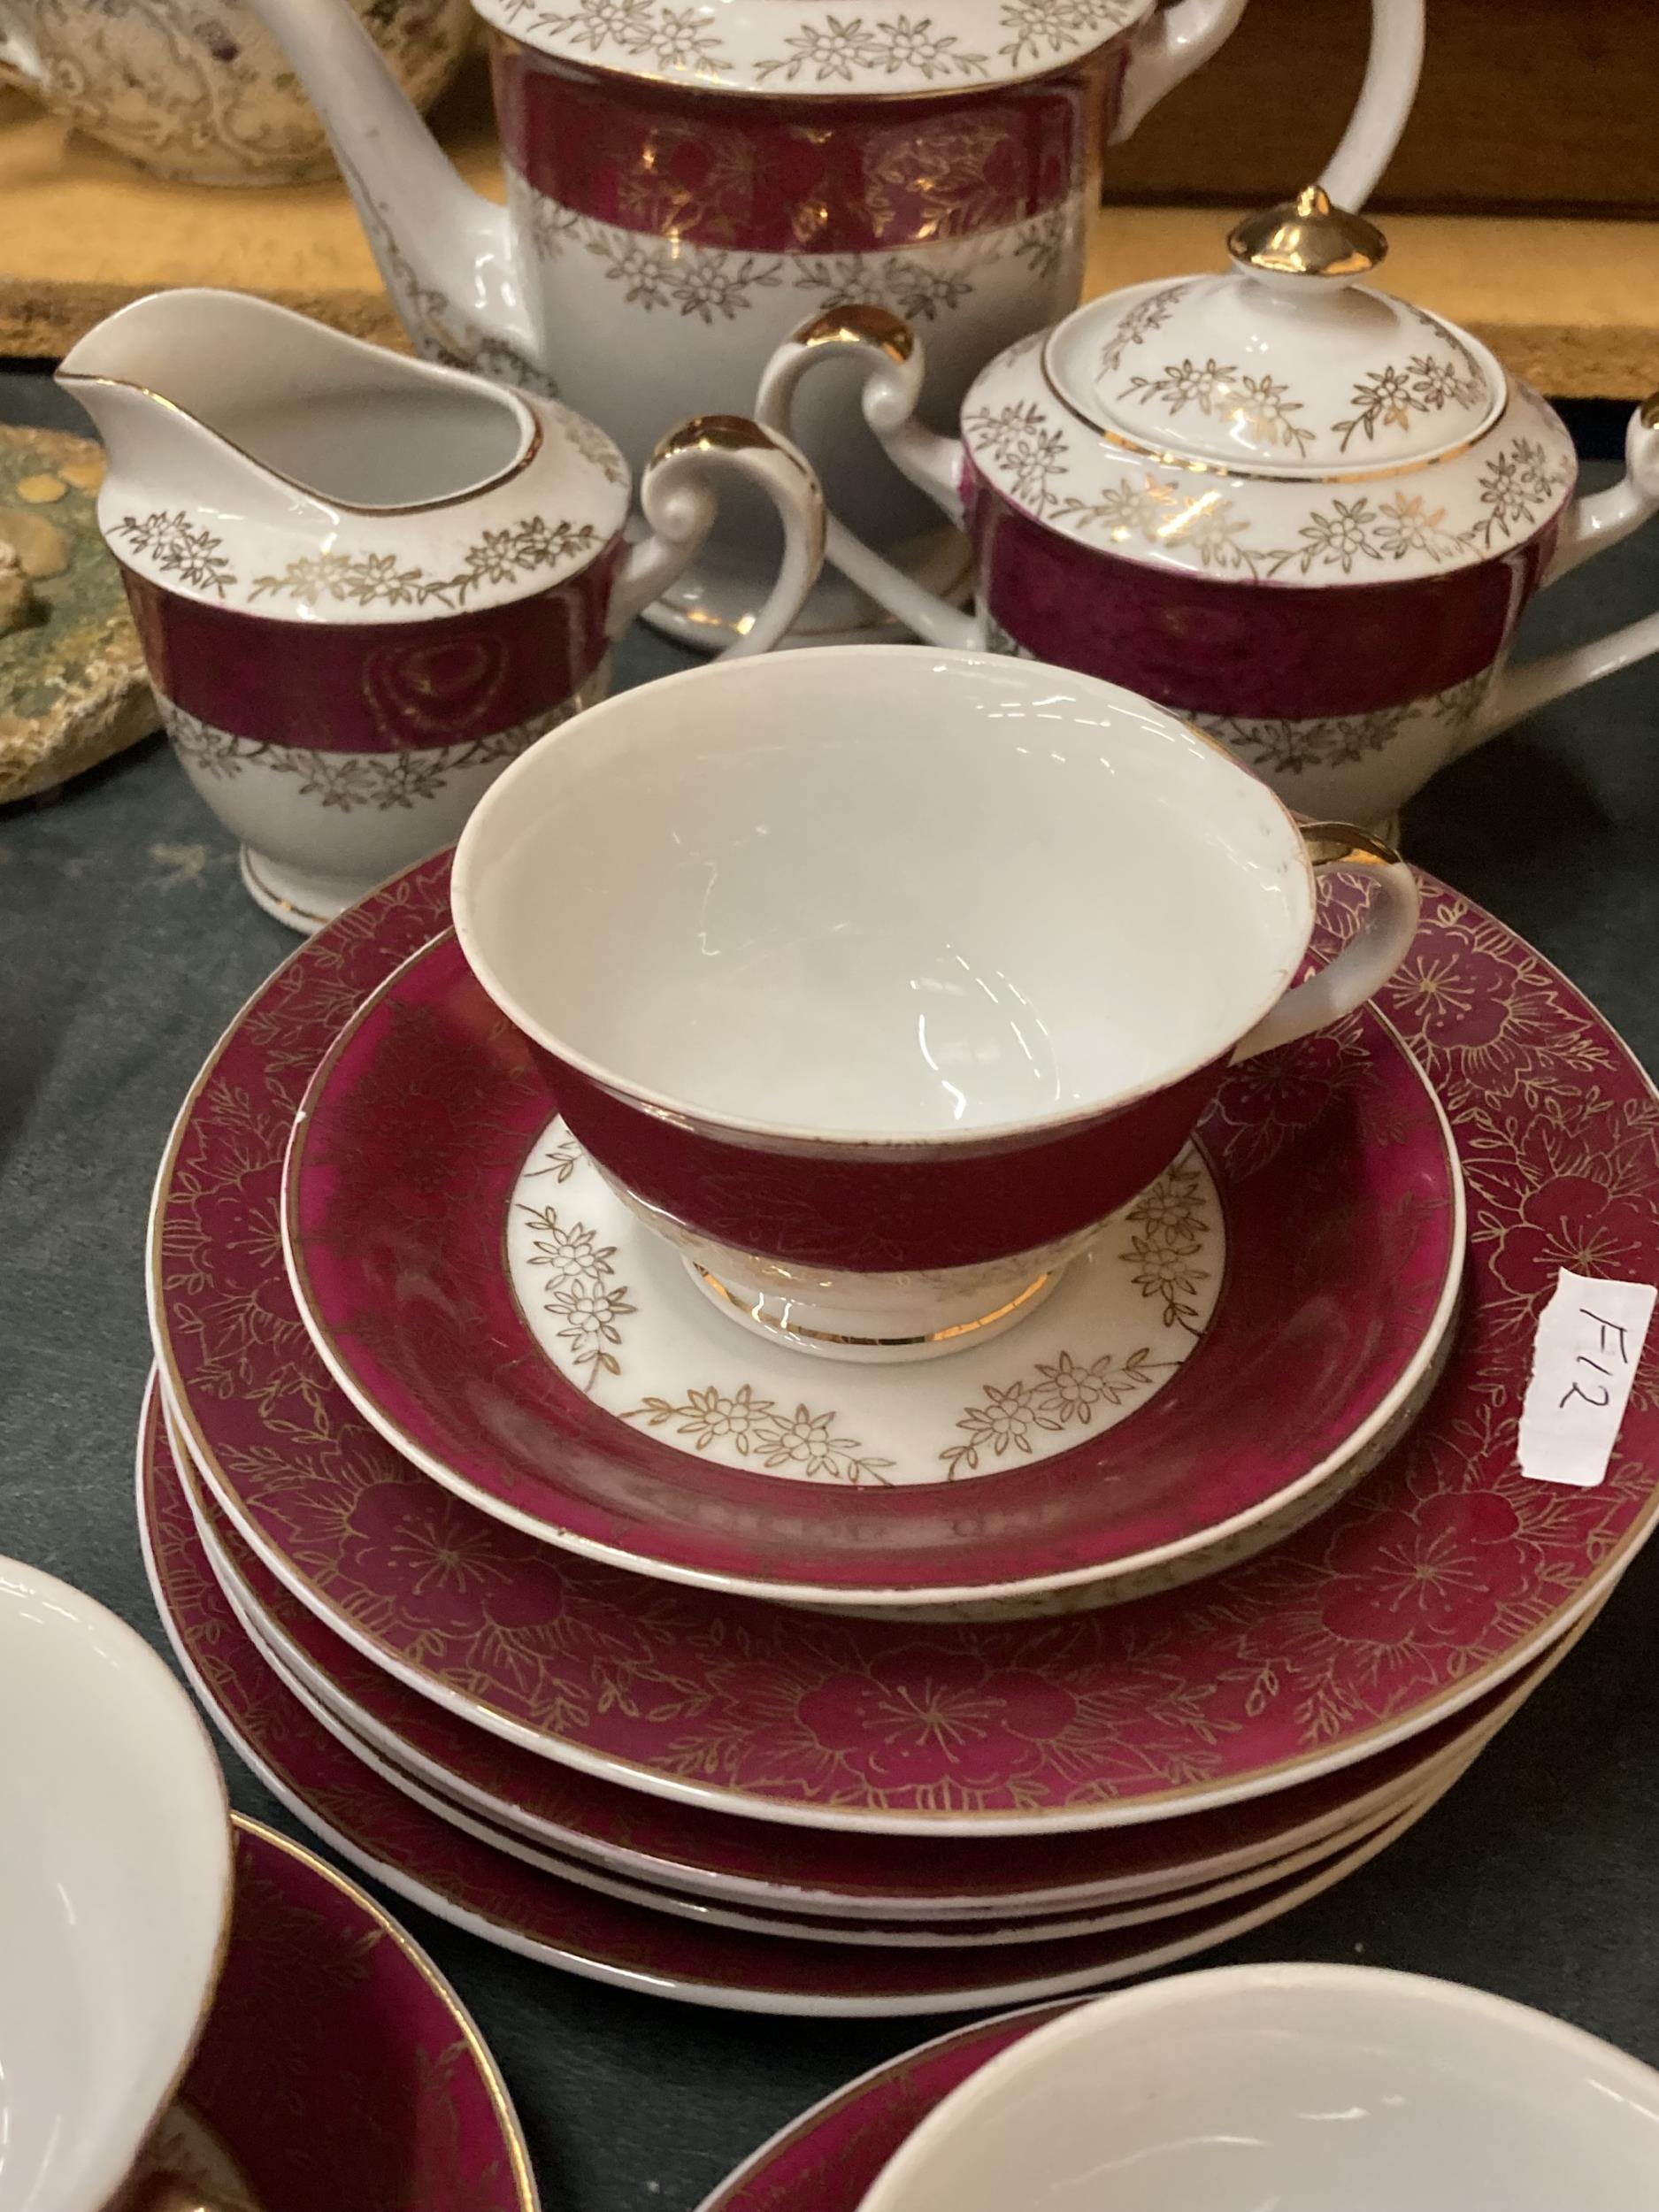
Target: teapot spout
x=445 y=253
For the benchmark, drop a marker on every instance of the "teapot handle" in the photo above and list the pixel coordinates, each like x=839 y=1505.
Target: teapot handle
x=892 y=355
x=679 y=498
x=1590 y=525
x=1176 y=40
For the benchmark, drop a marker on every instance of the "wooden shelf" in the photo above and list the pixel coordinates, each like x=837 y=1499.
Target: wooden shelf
x=1571 y=304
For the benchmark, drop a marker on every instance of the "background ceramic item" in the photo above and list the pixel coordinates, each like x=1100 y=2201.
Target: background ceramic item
x=896 y=1043
x=208 y=96
x=1297 y=2086
x=115 y=1895
x=339 y=2065
x=490 y=1304
x=533 y=1912
x=701 y=1854
x=1296 y=496
x=72 y=687
x=365 y=584
x=1269 y=1677
x=681 y=188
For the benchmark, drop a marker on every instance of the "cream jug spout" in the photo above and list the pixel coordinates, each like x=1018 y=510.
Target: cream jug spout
x=446 y=254
x=162 y=379
x=218 y=405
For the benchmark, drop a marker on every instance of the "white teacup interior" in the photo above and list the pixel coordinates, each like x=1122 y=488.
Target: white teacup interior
x=1301 y=2089
x=114 y=1886
x=883 y=892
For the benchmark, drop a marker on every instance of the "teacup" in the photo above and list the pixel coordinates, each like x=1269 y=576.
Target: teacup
x=1305 y=2088
x=878 y=978
x=115 y=1885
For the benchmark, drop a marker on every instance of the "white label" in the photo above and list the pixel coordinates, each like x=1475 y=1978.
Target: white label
x=1585 y=1357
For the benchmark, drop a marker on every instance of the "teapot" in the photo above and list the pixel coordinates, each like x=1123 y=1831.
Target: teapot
x=1305 y=515
x=365 y=584
x=685 y=182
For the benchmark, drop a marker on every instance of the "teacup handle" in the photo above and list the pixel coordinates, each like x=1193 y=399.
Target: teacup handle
x=894 y=366
x=1590 y=525
x=1369 y=956
x=679 y=500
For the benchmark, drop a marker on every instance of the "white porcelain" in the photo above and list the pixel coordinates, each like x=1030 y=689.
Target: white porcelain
x=884 y=907
x=1243 y=434
x=609 y=251
x=1302 y=2088
x=570 y=1231
x=115 y=1879
x=205 y=94
x=365 y=584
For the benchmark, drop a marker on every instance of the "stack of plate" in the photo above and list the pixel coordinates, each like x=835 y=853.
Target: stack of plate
x=680 y=1660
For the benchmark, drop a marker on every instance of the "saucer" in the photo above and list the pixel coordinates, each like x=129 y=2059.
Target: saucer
x=338 y=2066
x=1187 y=1396
x=696 y=1853
x=1409 y=1600
x=467 y=1881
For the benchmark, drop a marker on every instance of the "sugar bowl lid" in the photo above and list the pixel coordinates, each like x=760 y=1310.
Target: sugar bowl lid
x=1288 y=365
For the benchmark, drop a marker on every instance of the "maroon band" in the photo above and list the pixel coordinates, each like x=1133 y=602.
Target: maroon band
x=872 y=1216
x=1229 y=646
x=759 y=175
x=374 y=687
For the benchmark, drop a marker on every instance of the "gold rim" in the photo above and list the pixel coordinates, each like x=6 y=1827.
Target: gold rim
x=257 y=882
x=532 y=445
x=740 y=1304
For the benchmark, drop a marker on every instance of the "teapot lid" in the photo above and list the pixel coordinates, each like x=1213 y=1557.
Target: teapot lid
x=784 y=48
x=1287 y=366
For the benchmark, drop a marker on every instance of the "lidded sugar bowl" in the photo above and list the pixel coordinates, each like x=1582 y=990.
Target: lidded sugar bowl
x=1303 y=513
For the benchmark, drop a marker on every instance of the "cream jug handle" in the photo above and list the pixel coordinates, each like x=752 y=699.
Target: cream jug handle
x=679 y=500
x=1369 y=956
x=892 y=353
x=1176 y=40
x=1590 y=525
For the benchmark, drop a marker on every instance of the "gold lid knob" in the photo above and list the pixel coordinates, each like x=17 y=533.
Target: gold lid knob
x=1307 y=236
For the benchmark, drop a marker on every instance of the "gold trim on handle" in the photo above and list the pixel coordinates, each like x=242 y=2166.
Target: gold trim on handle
x=861 y=326
x=1331 y=844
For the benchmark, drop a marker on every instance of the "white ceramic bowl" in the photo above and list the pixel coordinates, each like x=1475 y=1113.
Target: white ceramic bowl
x=1297 y=2088
x=115 y=1884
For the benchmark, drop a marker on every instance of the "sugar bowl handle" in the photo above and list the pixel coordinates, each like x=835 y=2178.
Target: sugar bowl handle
x=893 y=359
x=1369 y=956
x=680 y=497
x=1590 y=525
